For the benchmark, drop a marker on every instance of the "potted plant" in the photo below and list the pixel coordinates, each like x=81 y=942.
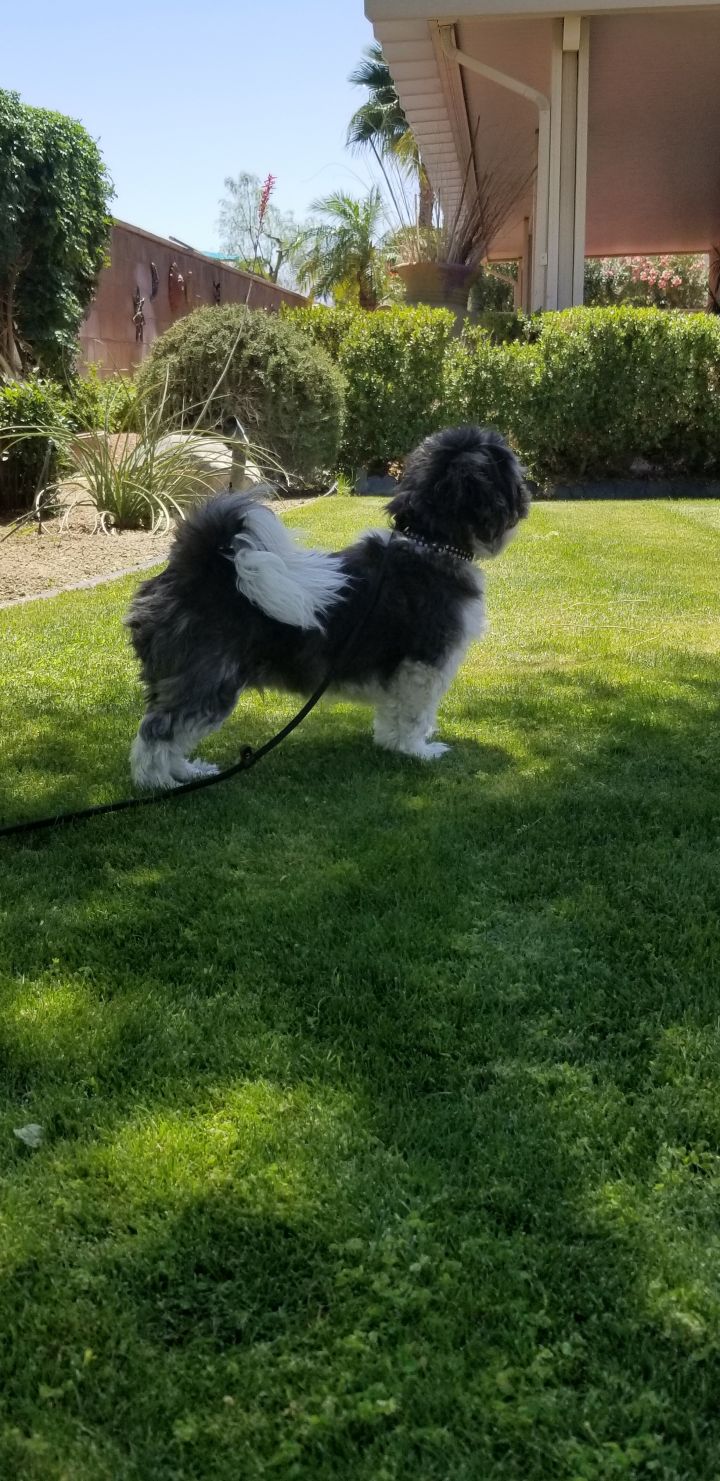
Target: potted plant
x=438 y=265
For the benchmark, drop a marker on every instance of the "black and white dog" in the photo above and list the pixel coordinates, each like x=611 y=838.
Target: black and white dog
x=241 y=605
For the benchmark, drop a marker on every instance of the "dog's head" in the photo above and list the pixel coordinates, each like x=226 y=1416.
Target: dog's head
x=462 y=487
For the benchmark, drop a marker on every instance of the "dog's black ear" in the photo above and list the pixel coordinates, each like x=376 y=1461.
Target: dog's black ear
x=400 y=507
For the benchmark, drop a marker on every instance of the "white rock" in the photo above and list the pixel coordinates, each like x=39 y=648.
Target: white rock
x=215 y=467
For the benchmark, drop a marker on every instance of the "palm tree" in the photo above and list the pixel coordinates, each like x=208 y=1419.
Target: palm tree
x=381 y=126
x=345 y=247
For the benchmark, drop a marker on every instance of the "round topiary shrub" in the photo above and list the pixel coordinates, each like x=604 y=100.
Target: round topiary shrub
x=283 y=387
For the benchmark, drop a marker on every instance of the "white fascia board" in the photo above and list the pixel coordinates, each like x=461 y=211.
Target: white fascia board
x=383 y=11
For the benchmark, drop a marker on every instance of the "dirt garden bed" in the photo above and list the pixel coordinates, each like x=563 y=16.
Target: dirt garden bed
x=32 y=564
x=72 y=551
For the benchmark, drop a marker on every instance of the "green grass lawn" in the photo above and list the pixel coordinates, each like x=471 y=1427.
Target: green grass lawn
x=381 y=1102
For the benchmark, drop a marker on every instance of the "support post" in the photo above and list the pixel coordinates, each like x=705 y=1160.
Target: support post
x=539 y=257
x=568 y=164
x=714 y=281
x=522 y=287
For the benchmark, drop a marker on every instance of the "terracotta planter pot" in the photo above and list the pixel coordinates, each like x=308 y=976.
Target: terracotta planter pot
x=442 y=285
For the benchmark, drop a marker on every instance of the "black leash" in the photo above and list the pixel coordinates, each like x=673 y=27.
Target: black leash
x=248 y=758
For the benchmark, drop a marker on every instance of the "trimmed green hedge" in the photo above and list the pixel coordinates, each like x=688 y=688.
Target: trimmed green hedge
x=493 y=385
x=393 y=362
x=597 y=390
x=503 y=326
x=603 y=387
x=581 y=394
x=326 y=327
x=394 y=368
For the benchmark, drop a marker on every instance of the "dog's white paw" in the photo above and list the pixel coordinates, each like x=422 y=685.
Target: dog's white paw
x=152 y=782
x=432 y=751
x=197 y=769
x=424 y=751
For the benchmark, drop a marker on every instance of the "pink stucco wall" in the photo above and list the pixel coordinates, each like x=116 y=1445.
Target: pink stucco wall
x=107 y=337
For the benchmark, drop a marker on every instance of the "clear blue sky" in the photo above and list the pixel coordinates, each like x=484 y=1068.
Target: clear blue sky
x=181 y=94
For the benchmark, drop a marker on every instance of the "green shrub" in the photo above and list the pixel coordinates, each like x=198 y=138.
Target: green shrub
x=54 y=231
x=94 y=401
x=28 y=404
x=580 y=394
x=491 y=292
x=491 y=384
x=43 y=407
x=393 y=363
x=618 y=384
x=505 y=326
x=596 y=390
x=327 y=327
x=261 y=367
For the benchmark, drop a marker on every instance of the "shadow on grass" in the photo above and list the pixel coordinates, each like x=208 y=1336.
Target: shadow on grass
x=383 y=1129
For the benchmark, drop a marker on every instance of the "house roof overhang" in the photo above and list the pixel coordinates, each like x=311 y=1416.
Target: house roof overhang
x=653 y=166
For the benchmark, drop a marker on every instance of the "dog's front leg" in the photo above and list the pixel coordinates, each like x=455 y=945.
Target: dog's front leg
x=406 y=713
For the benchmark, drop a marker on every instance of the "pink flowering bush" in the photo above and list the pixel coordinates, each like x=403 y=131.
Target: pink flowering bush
x=667 y=282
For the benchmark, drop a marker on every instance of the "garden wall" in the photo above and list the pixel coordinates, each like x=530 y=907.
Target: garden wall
x=171 y=280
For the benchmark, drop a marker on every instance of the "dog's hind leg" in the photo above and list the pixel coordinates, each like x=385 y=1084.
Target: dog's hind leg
x=170 y=731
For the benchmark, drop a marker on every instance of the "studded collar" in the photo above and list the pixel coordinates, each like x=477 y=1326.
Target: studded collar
x=454 y=551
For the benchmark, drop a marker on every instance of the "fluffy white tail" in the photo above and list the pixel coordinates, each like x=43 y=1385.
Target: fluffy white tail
x=288 y=583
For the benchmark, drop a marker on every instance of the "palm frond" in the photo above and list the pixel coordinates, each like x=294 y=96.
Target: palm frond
x=373 y=71
x=380 y=121
x=345 y=245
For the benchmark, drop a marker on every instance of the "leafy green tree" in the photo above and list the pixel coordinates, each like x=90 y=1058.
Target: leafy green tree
x=54 y=230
